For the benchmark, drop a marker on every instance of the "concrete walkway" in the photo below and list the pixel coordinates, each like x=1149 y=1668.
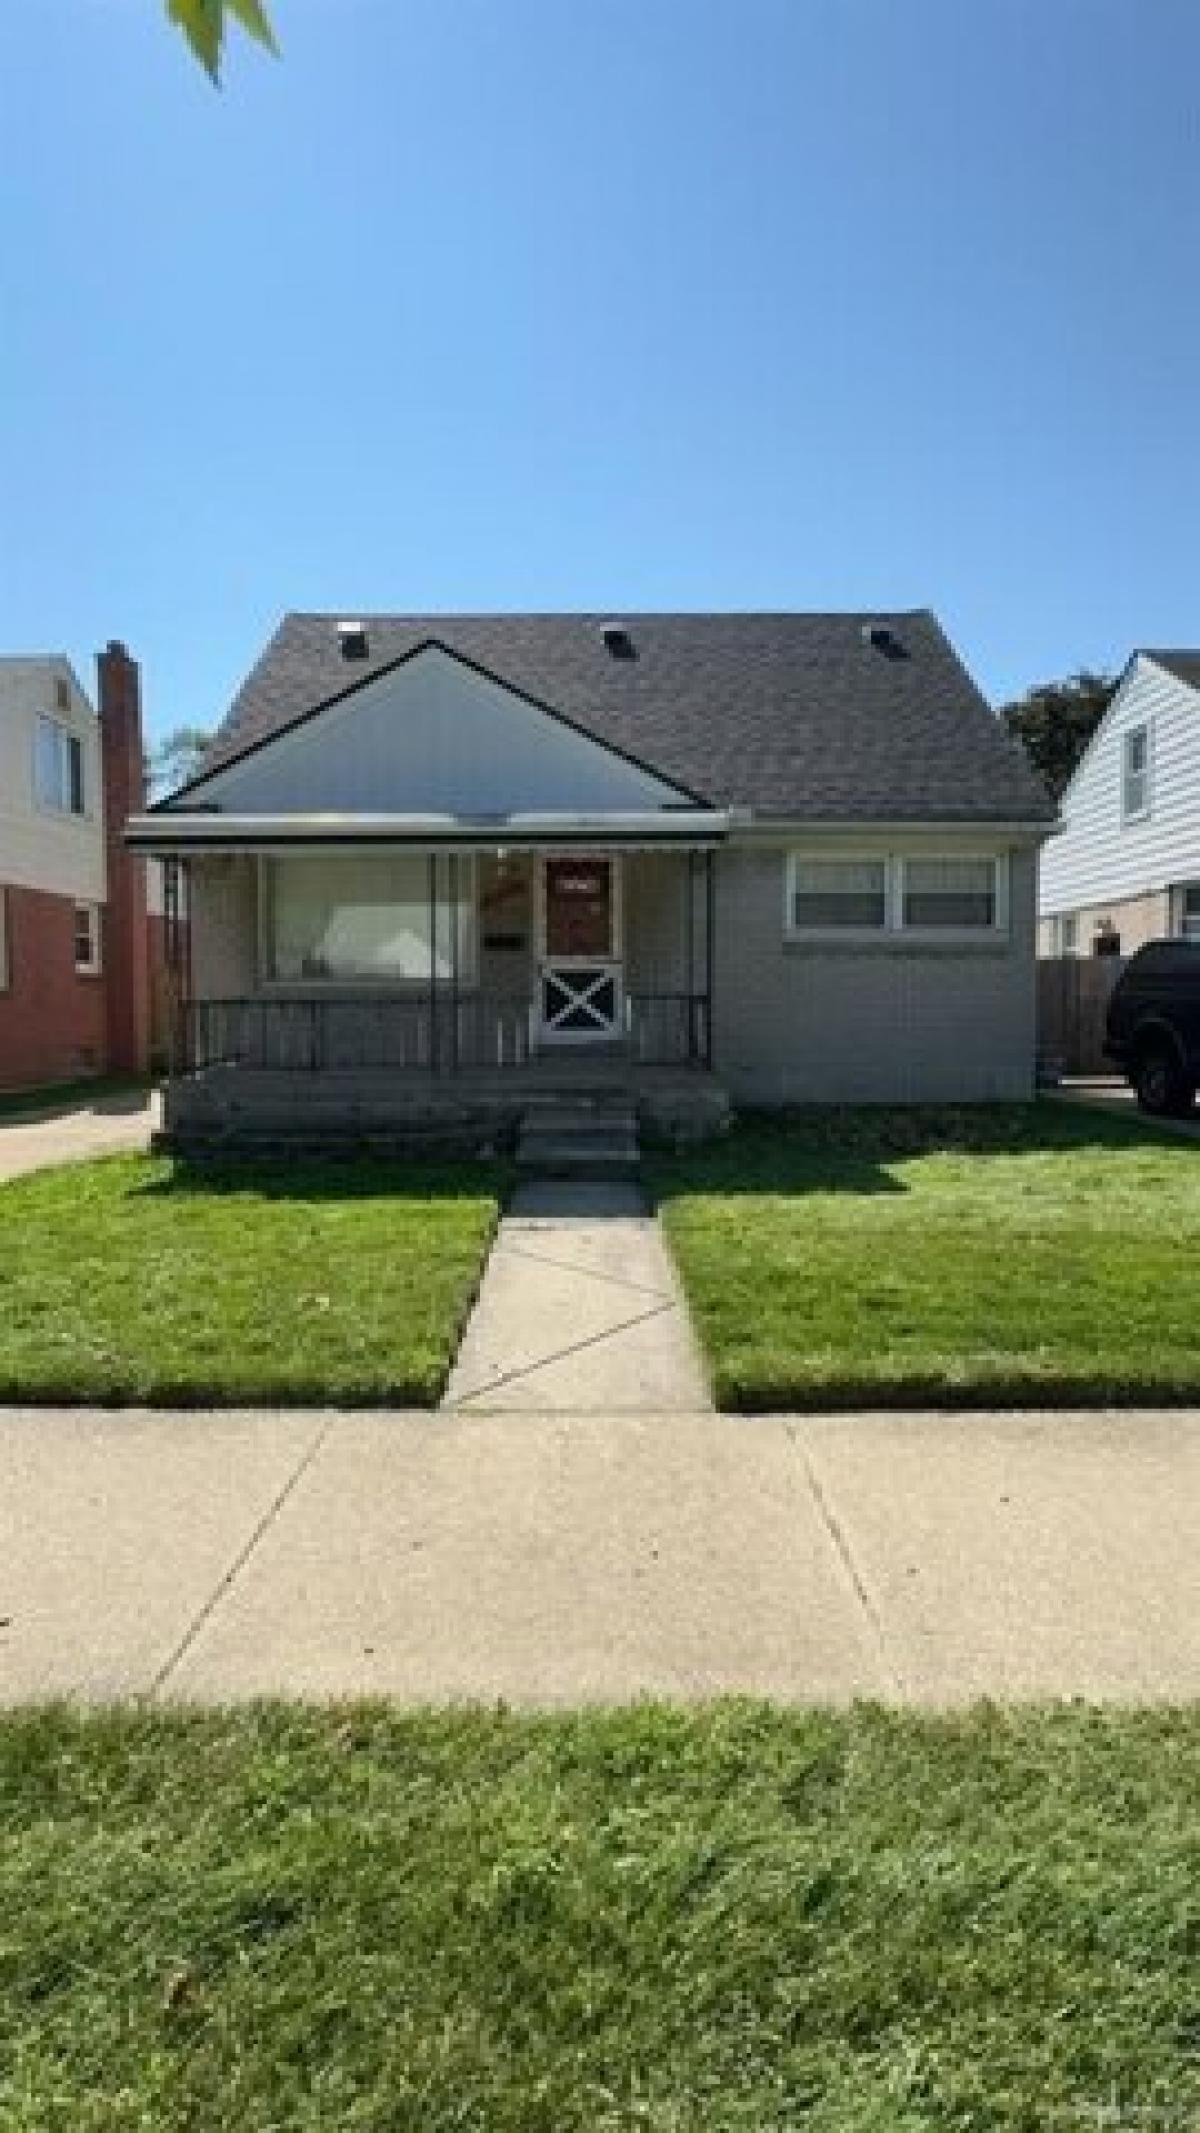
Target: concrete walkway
x=1118 y=1099
x=85 y=1128
x=549 y=1559
x=580 y=1312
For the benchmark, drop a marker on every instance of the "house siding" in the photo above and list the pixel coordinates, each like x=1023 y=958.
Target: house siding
x=1099 y=860
x=893 y=1023
x=434 y=737
x=223 y=915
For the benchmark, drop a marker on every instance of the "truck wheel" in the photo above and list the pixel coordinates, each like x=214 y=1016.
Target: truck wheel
x=1163 y=1089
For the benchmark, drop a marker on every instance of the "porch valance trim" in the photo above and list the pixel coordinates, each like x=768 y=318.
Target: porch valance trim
x=693 y=828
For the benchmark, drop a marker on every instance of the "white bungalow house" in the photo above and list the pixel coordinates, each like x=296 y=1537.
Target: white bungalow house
x=1125 y=868
x=452 y=859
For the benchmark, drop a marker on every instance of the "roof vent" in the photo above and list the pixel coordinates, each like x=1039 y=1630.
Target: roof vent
x=352 y=638
x=617 y=641
x=882 y=639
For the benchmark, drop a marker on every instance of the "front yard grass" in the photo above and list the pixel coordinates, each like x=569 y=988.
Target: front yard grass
x=133 y=1280
x=733 y=1920
x=1012 y=1255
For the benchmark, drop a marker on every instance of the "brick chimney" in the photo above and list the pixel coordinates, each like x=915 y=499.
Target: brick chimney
x=126 y=939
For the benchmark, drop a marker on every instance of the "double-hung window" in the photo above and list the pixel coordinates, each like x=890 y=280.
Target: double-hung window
x=1189 y=911
x=1135 y=775
x=893 y=894
x=837 y=895
x=58 y=769
x=365 y=918
x=959 y=894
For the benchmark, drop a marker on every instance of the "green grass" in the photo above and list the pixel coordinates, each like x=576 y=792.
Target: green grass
x=134 y=1280
x=728 y=1921
x=1014 y=1255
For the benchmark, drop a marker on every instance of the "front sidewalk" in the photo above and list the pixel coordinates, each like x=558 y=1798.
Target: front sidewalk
x=551 y=1559
x=77 y=1130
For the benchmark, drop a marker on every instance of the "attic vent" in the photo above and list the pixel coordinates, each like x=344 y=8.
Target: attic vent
x=882 y=639
x=353 y=640
x=617 y=641
x=62 y=694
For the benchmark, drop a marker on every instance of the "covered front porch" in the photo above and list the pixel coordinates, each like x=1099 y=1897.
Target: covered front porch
x=393 y=988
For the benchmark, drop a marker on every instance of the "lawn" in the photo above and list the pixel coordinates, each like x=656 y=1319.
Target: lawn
x=733 y=1920
x=1025 y=1254
x=134 y=1280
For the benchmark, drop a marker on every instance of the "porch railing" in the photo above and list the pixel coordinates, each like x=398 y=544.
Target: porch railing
x=474 y=1033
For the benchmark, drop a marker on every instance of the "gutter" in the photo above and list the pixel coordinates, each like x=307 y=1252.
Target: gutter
x=203 y=831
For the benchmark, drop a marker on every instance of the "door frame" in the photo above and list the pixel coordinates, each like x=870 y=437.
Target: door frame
x=613 y=962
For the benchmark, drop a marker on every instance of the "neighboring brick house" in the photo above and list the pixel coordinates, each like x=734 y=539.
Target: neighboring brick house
x=75 y=935
x=793 y=855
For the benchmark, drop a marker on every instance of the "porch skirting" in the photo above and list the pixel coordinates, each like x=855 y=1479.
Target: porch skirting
x=227 y=1109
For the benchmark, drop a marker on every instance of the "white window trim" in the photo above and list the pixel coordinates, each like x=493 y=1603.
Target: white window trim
x=94 y=964
x=49 y=807
x=894 y=933
x=850 y=934
x=998 y=930
x=1180 y=896
x=348 y=988
x=1138 y=814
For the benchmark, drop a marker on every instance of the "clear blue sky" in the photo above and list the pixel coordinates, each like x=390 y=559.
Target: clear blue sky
x=601 y=303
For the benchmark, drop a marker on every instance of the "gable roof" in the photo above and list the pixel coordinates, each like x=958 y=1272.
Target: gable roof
x=1185 y=666
x=797 y=716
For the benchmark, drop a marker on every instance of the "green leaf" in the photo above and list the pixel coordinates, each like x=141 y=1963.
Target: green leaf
x=203 y=24
x=253 y=17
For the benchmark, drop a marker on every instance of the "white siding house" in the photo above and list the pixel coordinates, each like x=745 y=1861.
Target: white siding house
x=1125 y=867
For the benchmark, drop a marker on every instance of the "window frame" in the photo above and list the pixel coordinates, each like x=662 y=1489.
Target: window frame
x=1181 y=928
x=468 y=962
x=998 y=928
x=70 y=768
x=1143 y=731
x=797 y=855
x=92 y=966
x=894 y=933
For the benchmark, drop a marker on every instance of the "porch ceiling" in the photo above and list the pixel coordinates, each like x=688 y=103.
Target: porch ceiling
x=199 y=831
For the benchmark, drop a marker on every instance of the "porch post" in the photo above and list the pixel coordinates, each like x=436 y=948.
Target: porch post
x=709 y=904
x=433 y=1029
x=454 y=1048
x=691 y=954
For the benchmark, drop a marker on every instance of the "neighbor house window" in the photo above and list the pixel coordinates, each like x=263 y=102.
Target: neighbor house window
x=87 y=939
x=364 y=919
x=837 y=895
x=58 y=768
x=1067 y=932
x=1135 y=774
x=1189 y=911
x=956 y=893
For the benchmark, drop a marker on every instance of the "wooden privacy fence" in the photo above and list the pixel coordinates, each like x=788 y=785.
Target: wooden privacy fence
x=1073 y=992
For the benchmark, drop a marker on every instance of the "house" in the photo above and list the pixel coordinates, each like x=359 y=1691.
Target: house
x=776 y=858
x=75 y=938
x=1125 y=868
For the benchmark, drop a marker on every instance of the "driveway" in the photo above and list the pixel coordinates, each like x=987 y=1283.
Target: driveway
x=549 y=1558
x=71 y=1133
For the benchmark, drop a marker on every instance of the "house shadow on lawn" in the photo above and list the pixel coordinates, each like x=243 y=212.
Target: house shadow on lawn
x=861 y=1150
x=311 y=1179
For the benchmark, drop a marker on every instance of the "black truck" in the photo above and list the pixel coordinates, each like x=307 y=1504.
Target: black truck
x=1153 y=1028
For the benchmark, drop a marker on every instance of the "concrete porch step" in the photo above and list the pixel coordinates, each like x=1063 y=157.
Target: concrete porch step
x=578 y=1140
